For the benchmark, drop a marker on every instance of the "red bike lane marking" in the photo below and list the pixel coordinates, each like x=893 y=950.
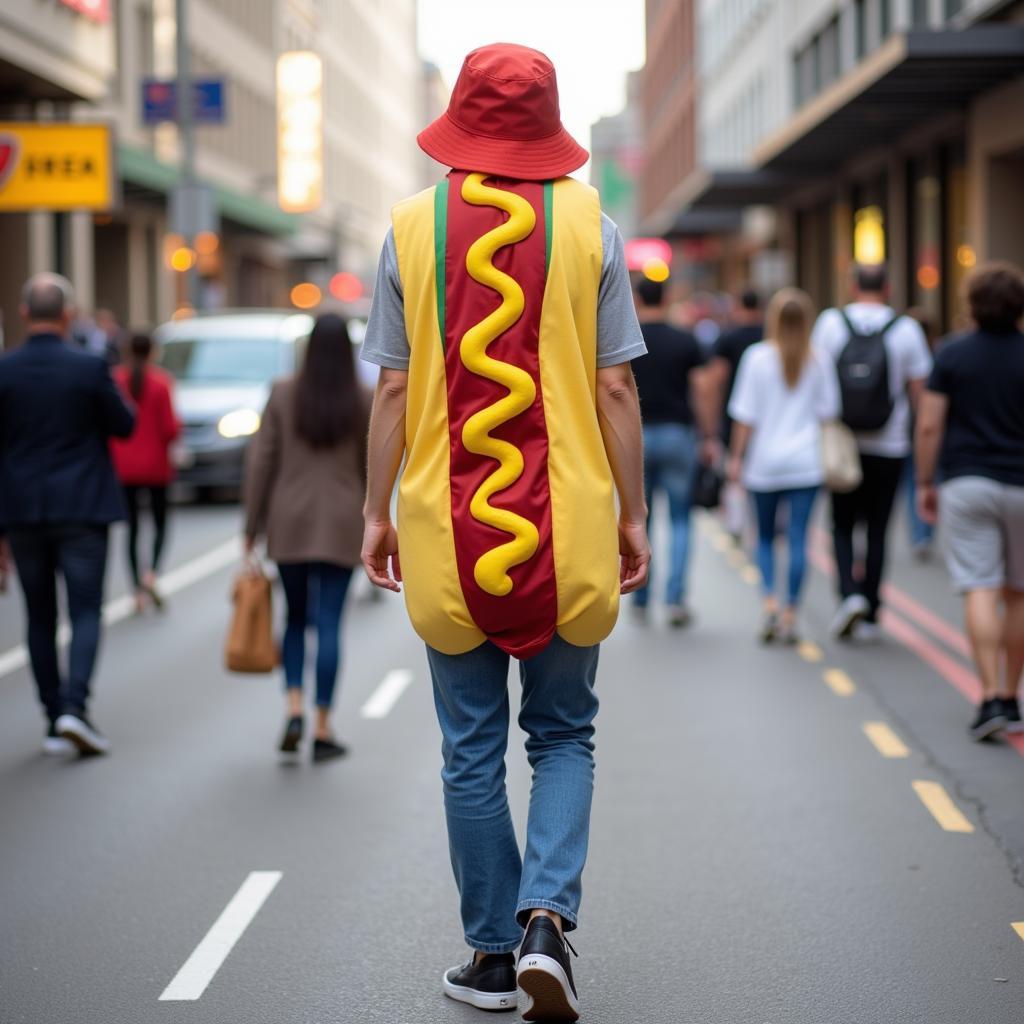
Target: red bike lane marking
x=955 y=673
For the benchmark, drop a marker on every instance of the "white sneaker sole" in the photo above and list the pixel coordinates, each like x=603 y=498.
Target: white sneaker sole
x=57 y=746
x=547 y=989
x=85 y=739
x=496 y=1001
x=850 y=613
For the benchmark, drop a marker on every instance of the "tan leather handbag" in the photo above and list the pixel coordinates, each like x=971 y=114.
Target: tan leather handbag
x=250 y=645
x=840 y=457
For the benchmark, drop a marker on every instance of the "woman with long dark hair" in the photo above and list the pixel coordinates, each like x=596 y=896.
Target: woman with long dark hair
x=143 y=461
x=304 y=491
x=784 y=392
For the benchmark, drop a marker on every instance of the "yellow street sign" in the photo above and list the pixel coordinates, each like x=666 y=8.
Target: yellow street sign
x=56 y=166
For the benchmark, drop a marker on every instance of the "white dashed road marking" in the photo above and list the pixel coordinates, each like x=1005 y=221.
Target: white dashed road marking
x=384 y=698
x=199 y=969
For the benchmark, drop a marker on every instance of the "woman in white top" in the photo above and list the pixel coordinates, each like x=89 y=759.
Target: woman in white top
x=784 y=392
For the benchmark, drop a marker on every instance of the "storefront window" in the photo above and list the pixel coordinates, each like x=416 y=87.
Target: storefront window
x=919 y=13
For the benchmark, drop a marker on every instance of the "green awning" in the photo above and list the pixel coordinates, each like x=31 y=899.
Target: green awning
x=139 y=167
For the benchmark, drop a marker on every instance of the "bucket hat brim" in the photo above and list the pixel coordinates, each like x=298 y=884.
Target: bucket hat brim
x=534 y=160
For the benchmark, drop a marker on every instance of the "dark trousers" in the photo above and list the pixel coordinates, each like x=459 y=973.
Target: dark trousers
x=322 y=586
x=79 y=554
x=158 y=510
x=871 y=504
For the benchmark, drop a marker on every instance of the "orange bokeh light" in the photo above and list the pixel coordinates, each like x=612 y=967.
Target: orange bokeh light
x=183 y=258
x=305 y=295
x=928 y=277
x=206 y=243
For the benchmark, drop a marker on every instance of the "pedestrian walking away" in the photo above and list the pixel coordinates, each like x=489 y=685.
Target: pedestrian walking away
x=717 y=382
x=516 y=429
x=970 y=434
x=666 y=380
x=304 y=489
x=59 y=407
x=882 y=361
x=143 y=462
x=784 y=392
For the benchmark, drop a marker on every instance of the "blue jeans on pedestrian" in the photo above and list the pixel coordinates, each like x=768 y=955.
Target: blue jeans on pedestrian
x=319 y=587
x=78 y=553
x=670 y=465
x=921 y=533
x=766 y=504
x=497 y=888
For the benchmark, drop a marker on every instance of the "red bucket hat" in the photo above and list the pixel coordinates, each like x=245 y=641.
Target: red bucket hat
x=503 y=118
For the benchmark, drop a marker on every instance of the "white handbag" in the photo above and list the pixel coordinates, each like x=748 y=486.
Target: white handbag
x=840 y=457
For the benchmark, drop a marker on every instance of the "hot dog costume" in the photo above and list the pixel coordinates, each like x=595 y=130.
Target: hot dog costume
x=506 y=516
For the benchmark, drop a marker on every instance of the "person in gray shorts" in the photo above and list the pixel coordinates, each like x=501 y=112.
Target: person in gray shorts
x=970 y=428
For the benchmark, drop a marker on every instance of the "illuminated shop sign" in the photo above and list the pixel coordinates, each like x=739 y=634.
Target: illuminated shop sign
x=300 y=122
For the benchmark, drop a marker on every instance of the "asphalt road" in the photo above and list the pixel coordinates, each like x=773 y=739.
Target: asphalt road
x=754 y=857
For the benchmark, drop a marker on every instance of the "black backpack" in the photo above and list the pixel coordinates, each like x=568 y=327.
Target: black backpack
x=863 y=368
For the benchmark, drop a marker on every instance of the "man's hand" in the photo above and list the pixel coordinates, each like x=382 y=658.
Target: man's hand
x=380 y=543
x=734 y=469
x=711 y=451
x=928 y=503
x=635 y=552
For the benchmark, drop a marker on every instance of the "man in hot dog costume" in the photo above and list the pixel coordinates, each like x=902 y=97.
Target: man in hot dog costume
x=503 y=324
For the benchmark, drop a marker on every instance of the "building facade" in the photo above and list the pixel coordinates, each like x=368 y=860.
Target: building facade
x=870 y=129
x=56 y=62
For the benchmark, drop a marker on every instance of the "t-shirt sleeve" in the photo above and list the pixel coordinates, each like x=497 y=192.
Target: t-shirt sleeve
x=618 y=333
x=941 y=377
x=828 y=404
x=386 y=343
x=829 y=332
x=743 y=405
x=918 y=357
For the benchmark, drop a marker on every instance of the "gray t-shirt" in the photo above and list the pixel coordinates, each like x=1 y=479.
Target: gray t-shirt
x=618 y=334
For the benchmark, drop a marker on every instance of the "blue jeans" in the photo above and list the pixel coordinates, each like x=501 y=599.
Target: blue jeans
x=921 y=533
x=327 y=585
x=766 y=504
x=79 y=554
x=670 y=464
x=497 y=888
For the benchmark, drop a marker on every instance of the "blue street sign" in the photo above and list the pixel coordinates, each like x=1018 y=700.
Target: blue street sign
x=160 y=100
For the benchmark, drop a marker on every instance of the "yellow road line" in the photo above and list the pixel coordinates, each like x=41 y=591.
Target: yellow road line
x=940 y=804
x=886 y=742
x=1018 y=927
x=839 y=682
x=750 y=575
x=810 y=651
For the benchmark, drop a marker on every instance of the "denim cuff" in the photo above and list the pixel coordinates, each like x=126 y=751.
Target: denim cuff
x=525 y=906
x=495 y=947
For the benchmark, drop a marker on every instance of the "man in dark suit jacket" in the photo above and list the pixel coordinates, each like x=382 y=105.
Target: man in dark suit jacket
x=58 y=497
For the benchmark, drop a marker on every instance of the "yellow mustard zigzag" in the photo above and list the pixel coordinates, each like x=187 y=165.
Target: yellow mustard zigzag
x=491 y=569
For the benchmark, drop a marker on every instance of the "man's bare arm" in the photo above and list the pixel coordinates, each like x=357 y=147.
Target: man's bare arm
x=385 y=449
x=618 y=410
x=931 y=425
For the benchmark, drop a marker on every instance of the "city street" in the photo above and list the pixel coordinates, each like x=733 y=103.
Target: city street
x=779 y=836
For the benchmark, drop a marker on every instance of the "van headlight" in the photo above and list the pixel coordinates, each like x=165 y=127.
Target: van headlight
x=240 y=423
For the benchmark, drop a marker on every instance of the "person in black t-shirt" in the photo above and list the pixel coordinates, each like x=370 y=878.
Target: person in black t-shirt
x=747 y=328
x=665 y=380
x=973 y=412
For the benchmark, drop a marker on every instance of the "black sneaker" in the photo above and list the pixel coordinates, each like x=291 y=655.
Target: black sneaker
x=545 y=974
x=76 y=728
x=55 y=745
x=328 y=750
x=769 y=631
x=487 y=984
x=292 y=735
x=1011 y=709
x=991 y=718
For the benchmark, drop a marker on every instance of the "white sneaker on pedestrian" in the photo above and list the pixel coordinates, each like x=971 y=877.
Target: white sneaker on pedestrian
x=850 y=612
x=83 y=734
x=867 y=632
x=55 y=745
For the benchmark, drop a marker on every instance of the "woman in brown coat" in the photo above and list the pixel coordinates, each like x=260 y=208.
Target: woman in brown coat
x=304 y=491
